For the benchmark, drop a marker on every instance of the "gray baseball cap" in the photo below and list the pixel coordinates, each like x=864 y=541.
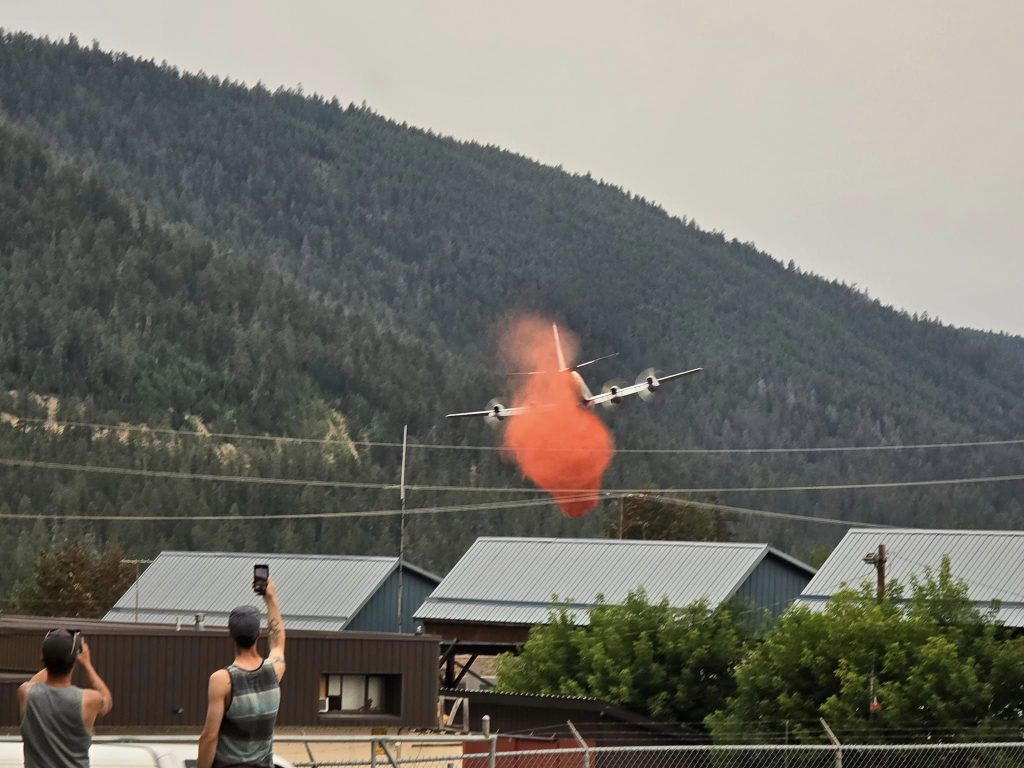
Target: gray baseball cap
x=244 y=622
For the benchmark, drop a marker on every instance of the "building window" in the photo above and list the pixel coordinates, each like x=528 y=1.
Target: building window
x=360 y=694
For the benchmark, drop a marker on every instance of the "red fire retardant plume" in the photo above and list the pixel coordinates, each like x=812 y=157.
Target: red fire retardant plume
x=559 y=445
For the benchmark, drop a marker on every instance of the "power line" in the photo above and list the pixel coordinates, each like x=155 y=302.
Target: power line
x=486 y=507
x=310 y=482
x=841 y=486
x=452 y=508
x=146 y=429
x=732 y=488
x=710 y=507
x=172 y=475
x=456 y=447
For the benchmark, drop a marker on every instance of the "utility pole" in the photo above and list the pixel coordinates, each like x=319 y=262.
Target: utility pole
x=401 y=526
x=136 y=563
x=878 y=560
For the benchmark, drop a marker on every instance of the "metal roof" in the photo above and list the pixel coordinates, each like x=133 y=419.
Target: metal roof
x=512 y=580
x=318 y=592
x=989 y=561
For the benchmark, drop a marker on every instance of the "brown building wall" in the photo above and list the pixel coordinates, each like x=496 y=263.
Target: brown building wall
x=9 y=700
x=158 y=677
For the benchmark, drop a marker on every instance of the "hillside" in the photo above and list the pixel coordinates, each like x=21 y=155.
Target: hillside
x=122 y=319
x=304 y=259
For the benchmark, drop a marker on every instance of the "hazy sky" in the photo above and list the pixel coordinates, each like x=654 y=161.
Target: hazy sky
x=876 y=142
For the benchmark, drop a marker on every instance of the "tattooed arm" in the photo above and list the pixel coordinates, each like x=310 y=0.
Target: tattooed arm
x=275 y=630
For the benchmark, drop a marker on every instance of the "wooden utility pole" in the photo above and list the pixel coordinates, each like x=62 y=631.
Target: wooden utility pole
x=878 y=560
x=401 y=528
x=135 y=589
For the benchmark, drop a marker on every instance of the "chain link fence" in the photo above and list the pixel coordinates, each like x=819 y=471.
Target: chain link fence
x=995 y=755
x=978 y=755
x=485 y=751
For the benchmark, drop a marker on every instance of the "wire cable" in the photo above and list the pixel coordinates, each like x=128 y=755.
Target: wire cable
x=310 y=482
x=173 y=475
x=479 y=507
x=711 y=507
x=455 y=447
x=738 y=489
x=224 y=518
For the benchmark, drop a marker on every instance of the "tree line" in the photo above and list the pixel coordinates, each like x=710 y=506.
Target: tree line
x=920 y=664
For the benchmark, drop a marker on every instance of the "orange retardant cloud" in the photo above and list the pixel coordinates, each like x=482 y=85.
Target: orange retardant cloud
x=559 y=445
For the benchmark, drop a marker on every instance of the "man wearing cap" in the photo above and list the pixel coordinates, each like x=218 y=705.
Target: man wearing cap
x=57 y=717
x=243 y=698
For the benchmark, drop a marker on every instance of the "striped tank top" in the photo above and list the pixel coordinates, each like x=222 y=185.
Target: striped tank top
x=247 y=730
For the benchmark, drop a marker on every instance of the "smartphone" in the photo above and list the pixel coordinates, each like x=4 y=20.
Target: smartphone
x=260 y=574
x=76 y=642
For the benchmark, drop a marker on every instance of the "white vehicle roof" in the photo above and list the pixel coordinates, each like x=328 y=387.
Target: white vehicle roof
x=104 y=754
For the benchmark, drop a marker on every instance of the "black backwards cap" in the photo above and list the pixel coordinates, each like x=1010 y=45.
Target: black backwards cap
x=244 y=622
x=58 y=647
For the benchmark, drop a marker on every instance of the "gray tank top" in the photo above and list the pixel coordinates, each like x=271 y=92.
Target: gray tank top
x=52 y=730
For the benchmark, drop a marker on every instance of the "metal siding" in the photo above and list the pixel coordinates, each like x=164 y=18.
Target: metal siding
x=512 y=580
x=989 y=561
x=417 y=590
x=312 y=587
x=318 y=592
x=9 y=703
x=773 y=585
x=380 y=614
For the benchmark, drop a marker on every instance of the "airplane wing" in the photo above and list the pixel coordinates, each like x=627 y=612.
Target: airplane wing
x=498 y=412
x=650 y=385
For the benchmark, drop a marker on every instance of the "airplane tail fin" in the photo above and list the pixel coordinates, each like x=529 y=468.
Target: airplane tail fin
x=562 y=366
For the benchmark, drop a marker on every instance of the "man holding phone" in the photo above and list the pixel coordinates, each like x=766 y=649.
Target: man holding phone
x=57 y=718
x=243 y=698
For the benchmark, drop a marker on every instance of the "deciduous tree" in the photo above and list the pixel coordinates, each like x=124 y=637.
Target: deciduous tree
x=672 y=664
x=928 y=667
x=76 y=580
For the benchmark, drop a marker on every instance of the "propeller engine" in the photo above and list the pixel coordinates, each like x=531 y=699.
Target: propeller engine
x=495 y=414
x=650 y=378
x=612 y=387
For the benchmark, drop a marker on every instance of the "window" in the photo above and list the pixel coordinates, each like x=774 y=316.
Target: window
x=360 y=694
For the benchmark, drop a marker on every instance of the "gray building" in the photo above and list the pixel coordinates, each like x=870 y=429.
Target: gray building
x=324 y=593
x=991 y=562
x=503 y=586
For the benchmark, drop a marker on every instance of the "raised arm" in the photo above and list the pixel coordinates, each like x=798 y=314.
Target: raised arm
x=38 y=677
x=98 y=701
x=275 y=629
x=216 y=703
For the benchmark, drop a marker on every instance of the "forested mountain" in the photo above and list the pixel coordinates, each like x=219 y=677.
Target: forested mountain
x=181 y=250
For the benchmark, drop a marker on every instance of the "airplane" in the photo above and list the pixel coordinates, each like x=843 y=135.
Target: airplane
x=647 y=383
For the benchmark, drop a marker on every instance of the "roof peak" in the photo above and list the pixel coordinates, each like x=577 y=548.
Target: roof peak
x=936 y=531
x=280 y=556
x=623 y=542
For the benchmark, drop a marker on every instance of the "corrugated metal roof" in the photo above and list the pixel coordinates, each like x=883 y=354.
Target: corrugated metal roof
x=991 y=563
x=318 y=592
x=512 y=580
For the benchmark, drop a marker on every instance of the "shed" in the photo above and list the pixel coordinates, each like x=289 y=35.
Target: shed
x=989 y=561
x=317 y=592
x=503 y=586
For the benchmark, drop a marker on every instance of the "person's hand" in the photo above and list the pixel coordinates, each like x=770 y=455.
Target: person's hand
x=84 y=657
x=271 y=591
